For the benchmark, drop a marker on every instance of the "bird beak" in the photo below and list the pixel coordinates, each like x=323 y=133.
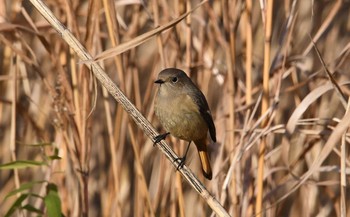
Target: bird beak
x=159 y=81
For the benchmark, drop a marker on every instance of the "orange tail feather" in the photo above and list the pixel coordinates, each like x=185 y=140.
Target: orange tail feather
x=204 y=158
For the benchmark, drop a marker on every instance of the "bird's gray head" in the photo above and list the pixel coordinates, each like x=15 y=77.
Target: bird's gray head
x=173 y=79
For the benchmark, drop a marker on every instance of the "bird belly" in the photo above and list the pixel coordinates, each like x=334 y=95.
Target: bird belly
x=182 y=119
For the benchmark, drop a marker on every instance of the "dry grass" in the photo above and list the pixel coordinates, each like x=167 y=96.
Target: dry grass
x=109 y=167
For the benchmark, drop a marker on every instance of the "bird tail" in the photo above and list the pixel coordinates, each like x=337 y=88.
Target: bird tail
x=204 y=158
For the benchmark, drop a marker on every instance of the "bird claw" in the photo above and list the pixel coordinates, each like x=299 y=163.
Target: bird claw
x=181 y=161
x=159 y=138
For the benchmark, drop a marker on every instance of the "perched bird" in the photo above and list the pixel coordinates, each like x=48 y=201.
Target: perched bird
x=184 y=113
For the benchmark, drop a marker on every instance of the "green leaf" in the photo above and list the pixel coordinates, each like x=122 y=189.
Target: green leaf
x=31 y=208
x=54 y=157
x=56 y=150
x=20 y=164
x=17 y=204
x=23 y=187
x=53 y=201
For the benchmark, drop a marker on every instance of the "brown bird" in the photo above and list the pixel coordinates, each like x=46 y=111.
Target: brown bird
x=184 y=113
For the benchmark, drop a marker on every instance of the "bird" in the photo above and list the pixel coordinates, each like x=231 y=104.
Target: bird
x=183 y=111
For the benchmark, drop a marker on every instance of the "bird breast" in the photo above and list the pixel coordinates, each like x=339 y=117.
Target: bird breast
x=180 y=116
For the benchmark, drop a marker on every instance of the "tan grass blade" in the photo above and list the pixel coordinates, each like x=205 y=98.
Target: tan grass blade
x=331 y=78
x=142 y=38
x=305 y=104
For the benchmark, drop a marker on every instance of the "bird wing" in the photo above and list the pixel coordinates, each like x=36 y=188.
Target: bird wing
x=202 y=104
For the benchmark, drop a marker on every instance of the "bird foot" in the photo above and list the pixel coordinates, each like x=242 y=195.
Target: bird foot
x=159 y=138
x=181 y=161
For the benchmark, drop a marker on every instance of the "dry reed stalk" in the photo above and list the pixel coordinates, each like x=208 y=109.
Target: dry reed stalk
x=113 y=31
x=231 y=62
x=159 y=38
x=142 y=183
x=343 y=173
x=264 y=105
x=249 y=51
x=188 y=57
x=12 y=142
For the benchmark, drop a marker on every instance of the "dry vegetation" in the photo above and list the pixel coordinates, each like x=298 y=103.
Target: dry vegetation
x=53 y=111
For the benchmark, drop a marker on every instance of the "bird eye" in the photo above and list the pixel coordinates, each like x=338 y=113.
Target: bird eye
x=174 y=79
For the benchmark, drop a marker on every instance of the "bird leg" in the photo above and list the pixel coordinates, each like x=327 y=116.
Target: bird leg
x=183 y=158
x=160 y=137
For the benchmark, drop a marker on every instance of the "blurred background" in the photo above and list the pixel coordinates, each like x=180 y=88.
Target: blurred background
x=59 y=126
